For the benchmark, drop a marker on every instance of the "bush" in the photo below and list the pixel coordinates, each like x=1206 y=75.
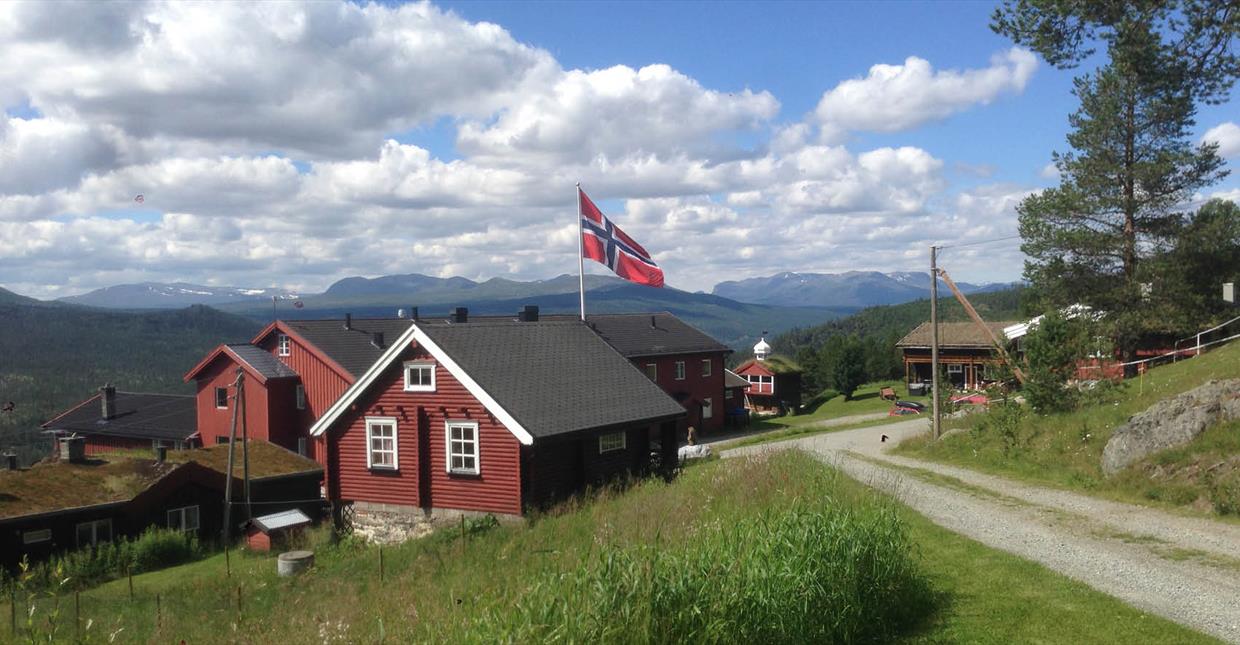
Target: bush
x=834 y=575
x=1224 y=493
x=160 y=548
x=155 y=549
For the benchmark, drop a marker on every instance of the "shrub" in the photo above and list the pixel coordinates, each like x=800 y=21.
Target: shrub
x=1224 y=491
x=156 y=548
x=159 y=548
x=1052 y=349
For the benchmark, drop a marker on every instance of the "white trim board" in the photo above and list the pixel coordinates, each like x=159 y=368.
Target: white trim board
x=412 y=334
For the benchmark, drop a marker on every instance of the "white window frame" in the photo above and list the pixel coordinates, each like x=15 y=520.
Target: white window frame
x=299 y=393
x=217 y=398
x=706 y=367
x=449 y=449
x=37 y=536
x=708 y=408
x=371 y=422
x=955 y=368
x=607 y=442
x=284 y=345
x=652 y=371
x=94 y=531
x=680 y=370
x=727 y=393
x=418 y=365
x=183 y=514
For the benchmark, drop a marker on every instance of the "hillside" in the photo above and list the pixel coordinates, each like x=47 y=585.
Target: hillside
x=850 y=289
x=158 y=295
x=55 y=356
x=897 y=320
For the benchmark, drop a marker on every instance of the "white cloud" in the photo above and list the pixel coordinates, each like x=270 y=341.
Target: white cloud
x=901 y=97
x=1227 y=136
x=1049 y=171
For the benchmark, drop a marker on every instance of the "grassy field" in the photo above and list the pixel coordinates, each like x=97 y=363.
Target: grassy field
x=1065 y=449
x=657 y=563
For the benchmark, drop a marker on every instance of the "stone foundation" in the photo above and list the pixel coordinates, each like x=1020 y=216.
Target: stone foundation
x=394 y=523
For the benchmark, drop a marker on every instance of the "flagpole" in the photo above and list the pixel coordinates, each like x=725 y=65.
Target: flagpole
x=581 y=252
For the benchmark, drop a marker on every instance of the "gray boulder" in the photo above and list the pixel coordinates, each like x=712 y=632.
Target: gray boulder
x=1171 y=423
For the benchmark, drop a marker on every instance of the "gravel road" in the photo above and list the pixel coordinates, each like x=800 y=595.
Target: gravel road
x=1182 y=568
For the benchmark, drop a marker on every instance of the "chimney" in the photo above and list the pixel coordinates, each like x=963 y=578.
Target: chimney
x=652 y=323
x=10 y=461
x=73 y=449
x=529 y=313
x=107 y=401
x=413 y=313
x=376 y=339
x=460 y=315
x=161 y=454
x=348 y=321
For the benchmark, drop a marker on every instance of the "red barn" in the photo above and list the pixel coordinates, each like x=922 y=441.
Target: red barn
x=112 y=421
x=774 y=381
x=494 y=415
x=687 y=363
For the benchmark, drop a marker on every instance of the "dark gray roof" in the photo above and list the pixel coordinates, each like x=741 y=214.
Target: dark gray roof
x=351 y=348
x=732 y=379
x=139 y=415
x=262 y=361
x=553 y=376
x=653 y=334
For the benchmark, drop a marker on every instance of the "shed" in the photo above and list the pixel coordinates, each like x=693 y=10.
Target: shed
x=263 y=531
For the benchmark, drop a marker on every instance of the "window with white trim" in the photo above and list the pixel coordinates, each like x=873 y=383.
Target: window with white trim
x=680 y=370
x=727 y=394
x=611 y=441
x=705 y=367
x=381 y=443
x=36 y=536
x=94 y=532
x=955 y=368
x=652 y=371
x=462 y=441
x=300 y=393
x=184 y=519
x=221 y=397
x=284 y=346
x=708 y=408
x=419 y=376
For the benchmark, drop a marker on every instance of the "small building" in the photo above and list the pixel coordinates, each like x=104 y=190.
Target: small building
x=965 y=350
x=491 y=416
x=774 y=381
x=734 y=388
x=272 y=395
x=113 y=420
x=276 y=529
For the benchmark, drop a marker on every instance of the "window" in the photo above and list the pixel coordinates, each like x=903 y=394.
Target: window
x=463 y=447
x=381 y=443
x=955 y=368
x=652 y=370
x=221 y=397
x=37 y=536
x=419 y=376
x=707 y=408
x=727 y=394
x=284 y=348
x=680 y=370
x=705 y=367
x=94 y=532
x=184 y=519
x=301 y=446
x=300 y=393
x=610 y=442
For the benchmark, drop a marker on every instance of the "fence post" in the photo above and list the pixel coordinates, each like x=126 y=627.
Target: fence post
x=77 y=616
x=462 y=534
x=238 y=604
x=227 y=562
x=13 y=607
x=129 y=574
x=380 y=563
x=159 y=618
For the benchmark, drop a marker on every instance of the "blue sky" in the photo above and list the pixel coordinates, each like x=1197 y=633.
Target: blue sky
x=293 y=144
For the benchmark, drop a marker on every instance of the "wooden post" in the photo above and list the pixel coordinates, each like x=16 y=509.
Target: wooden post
x=129 y=574
x=238 y=603
x=934 y=343
x=227 y=562
x=380 y=563
x=13 y=608
x=77 y=616
x=462 y=534
x=159 y=618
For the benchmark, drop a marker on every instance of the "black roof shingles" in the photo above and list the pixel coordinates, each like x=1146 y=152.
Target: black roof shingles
x=657 y=334
x=553 y=376
x=139 y=415
x=262 y=361
x=353 y=349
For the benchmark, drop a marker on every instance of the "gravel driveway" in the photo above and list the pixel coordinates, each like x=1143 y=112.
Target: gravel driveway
x=1184 y=569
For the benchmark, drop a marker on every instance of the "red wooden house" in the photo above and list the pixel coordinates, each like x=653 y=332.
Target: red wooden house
x=774 y=381
x=113 y=420
x=494 y=415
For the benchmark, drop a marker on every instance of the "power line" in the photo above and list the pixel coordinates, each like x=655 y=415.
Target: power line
x=978 y=242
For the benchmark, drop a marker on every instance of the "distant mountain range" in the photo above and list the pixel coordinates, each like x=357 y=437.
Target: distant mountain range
x=853 y=289
x=159 y=295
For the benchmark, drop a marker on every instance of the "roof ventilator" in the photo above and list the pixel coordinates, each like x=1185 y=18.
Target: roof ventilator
x=348 y=321
x=460 y=315
x=528 y=313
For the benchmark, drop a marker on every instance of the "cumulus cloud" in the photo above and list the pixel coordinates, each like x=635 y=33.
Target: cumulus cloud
x=892 y=98
x=1227 y=136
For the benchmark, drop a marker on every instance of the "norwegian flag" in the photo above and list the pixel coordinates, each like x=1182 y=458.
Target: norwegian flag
x=605 y=243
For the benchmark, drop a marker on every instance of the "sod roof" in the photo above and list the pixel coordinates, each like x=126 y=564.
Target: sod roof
x=954 y=334
x=266 y=460
x=774 y=363
x=55 y=486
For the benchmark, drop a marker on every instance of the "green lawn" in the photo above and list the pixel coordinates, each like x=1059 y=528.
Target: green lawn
x=439 y=588
x=1065 y=450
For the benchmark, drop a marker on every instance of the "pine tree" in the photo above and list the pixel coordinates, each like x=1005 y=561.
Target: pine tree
x=1132 y=163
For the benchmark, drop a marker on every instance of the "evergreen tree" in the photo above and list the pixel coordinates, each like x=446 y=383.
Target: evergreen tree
x=848 y=368
x=1206 y=254
x=1051 y=349
x=1132 y=162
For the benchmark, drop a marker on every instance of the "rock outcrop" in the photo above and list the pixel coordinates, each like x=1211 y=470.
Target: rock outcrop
x=1171 y=423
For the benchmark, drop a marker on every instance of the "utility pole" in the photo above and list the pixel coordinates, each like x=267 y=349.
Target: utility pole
x=934 y=343
x=232 y=443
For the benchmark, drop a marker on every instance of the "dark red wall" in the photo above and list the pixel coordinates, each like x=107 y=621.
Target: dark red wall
x=324 y=384
x=216 y=422
x=694 y=386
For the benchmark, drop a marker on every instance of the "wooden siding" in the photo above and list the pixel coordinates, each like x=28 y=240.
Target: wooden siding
x=101 y=445
x=323 y=384
x=694 y=388
x=213 y=422
x=422 y=478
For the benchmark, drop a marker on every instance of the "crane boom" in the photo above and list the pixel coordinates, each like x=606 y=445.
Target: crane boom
x=968 y=308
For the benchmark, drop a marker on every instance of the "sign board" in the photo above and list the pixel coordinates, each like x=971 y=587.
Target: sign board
x=1229 y=292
